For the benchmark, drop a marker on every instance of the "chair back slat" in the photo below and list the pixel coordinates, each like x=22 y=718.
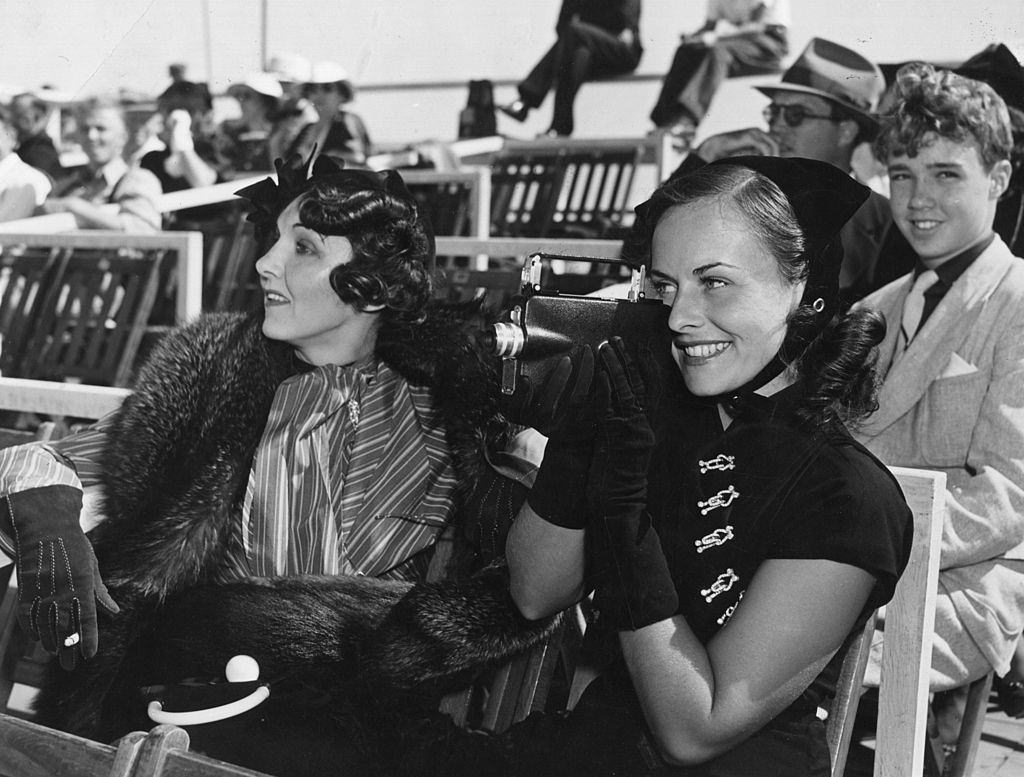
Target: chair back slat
x=524 y=193
x=849 y=686
x=238 y=286
x=92 y=317
x=24 y=275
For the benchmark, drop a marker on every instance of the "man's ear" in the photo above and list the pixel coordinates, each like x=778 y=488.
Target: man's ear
x=848 y=131
x=999 y=178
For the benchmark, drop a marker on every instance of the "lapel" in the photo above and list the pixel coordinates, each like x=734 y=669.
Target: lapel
x=909 y=376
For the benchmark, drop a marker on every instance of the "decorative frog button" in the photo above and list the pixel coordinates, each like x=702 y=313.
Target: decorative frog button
x=723 y=498
x=717 y=537
x=724 y=582
x=721 y=462
x=730 y=610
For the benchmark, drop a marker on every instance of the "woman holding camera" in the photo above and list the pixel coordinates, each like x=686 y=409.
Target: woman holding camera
x=733 y=531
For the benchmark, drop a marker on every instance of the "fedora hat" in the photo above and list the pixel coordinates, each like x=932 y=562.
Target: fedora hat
x=837 y=74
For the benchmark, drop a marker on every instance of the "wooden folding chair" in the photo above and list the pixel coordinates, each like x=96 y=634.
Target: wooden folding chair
x=92 y=317
x=525 y=188
x=909 y=622
x=595 y=192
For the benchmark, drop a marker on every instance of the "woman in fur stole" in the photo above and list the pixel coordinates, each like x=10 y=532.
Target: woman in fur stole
x=274 y=487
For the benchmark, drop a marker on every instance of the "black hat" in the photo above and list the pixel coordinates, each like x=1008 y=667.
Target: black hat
x=999 y=68
x=823 y=198
x=268 y=198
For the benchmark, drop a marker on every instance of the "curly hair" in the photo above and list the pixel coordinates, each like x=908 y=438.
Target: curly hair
x=837 y=368
x=392 y=252
x=927 y=102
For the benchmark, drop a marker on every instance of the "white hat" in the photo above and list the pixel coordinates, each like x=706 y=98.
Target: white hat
x=327 y=73
x=262 y=83
x=290 y=67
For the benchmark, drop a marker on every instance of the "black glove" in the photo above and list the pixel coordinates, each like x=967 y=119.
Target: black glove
x=634 y=586
x=58 y=578
x=569 y=408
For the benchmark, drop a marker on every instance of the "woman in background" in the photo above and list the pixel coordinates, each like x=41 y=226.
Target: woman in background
x=337 y=132
x=244 y=142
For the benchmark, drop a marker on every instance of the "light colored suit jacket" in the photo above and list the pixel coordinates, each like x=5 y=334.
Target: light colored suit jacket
x=954 y=401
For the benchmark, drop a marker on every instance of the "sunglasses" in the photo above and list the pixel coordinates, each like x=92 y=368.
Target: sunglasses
x=309 y=89
x=793 y=115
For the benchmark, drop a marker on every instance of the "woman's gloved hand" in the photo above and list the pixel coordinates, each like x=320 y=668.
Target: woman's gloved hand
x=58 y=577
x=634 y=587
x=565 y=409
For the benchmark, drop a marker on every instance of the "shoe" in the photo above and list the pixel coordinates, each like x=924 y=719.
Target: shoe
x=516 y=109
x=1011 y=696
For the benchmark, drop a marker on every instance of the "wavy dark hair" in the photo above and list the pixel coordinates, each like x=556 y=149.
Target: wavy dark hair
x=836 y=370
x=926 y=101
x=392 y=262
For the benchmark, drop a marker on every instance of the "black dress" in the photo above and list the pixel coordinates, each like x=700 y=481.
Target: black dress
x=724 y=502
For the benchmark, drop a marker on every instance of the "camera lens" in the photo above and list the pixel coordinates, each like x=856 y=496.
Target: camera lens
x=508 y=340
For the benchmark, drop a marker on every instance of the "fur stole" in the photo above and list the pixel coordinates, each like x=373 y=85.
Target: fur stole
x=175 y=472
x=180 y=451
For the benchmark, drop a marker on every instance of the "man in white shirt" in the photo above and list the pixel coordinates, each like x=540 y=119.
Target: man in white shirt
x=108 y=179
x=22 y=187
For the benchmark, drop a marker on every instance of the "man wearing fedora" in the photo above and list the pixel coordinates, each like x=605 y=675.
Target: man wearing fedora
x=822 y=109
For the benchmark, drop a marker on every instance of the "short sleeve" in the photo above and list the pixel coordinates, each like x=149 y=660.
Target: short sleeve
x=847 y=508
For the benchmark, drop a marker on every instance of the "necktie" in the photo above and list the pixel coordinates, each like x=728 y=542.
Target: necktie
x=913 y=307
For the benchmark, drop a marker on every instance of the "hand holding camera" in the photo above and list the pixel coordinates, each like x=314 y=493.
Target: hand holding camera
x=565 y=409
x=634 y=586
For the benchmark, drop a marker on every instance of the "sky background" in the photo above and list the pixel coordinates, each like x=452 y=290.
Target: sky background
x=85 y=47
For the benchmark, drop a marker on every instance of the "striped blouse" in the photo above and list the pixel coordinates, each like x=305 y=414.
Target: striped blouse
x=352 y=475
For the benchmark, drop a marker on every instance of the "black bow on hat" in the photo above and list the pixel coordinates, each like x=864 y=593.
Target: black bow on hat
x=269 y=198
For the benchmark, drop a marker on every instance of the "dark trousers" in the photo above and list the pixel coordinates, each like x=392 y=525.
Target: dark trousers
x=698 y=70
x=581 y=53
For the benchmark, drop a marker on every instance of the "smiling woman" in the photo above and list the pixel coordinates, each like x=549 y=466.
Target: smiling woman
x=733 y=530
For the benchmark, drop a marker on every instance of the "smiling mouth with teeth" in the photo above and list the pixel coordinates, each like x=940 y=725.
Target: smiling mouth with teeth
x=704 y=350
x=925 y=224
x=273 y=296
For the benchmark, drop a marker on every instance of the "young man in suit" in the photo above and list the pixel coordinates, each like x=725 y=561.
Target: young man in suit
x=953 y=394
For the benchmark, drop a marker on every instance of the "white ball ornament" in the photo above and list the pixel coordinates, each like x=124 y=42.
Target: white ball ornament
x=242 y=669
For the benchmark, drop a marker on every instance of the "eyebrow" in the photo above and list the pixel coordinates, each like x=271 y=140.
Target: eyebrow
x=930 y=166
x=310 y=229
x=711 y=265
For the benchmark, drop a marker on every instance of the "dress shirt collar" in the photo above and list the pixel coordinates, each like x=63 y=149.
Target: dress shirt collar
x=951 y=269
x=112 y=172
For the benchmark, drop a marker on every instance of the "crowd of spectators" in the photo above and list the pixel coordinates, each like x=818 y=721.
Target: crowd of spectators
x=142 y=150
